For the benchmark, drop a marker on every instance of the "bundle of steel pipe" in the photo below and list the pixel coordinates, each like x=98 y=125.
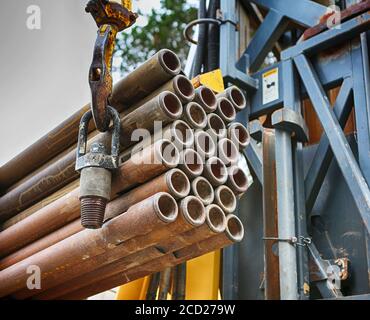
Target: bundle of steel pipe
x=172 y=197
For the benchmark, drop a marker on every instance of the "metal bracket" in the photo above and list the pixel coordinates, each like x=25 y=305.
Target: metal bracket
x=256 y=130
x=289 y=120
x=294 y=241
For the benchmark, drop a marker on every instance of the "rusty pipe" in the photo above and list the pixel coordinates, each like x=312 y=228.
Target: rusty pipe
x=236 y=97
x=202 y=189
x=216 y=127
x=237 y=180
x=215 y=171
x=238 y=134
x=233 y=232
x=195 y=116
x=179 y=85
x=191 y=163
x=164 y=283
x=165 y=107
x=206 y=98
x=204 y=144
x=140 y=219
x=132 y=253
x=228 y=152
x=225 y=110
x=225 y=199
x=153 y=287
x=149 y=76
x=179 y=282
x=153 y=161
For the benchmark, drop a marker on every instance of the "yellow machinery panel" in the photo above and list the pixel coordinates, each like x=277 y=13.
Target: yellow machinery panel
x=212 y=80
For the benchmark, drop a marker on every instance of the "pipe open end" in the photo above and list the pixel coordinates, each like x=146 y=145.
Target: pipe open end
x=238 y=180
x=207 y=99
x=226 y=110
x=171 y=105
x=215 y=218
x=193 y=211
x=192 y=162
x=166 y=207
x=196 y=116
x=237 y=97
x=228 y=152
x=234 y=228
x=184 y=88
x=203 y=190
x=178 y=183
x=217 y=169
x=169 y=61
x=167 y=154
x=239 y=135
x=182 y=134
x=226 y=199
x=216 y=125
x=204 y=144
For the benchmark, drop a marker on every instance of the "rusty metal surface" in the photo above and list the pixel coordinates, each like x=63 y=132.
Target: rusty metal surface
x=270 y=222
x=345 y=15
x=140 y=219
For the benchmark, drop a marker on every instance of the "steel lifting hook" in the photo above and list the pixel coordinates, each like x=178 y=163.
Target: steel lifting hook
x=96 y=171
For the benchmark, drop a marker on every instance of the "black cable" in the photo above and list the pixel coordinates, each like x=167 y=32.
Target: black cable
x=213 y=46
x=202 y=41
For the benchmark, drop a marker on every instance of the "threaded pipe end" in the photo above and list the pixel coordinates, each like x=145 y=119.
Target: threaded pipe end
x=92 y=212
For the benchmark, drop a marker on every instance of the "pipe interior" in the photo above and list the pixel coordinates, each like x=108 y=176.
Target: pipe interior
x=185 y=86
x=227 y=109
x=239 y=178
x=216 y=124
x=183 y=132
x=237 y=97
x=208 y=97
x=180 y=182
x=229 y=149
x=195 y=209
x=167 y=206
x=216 y=217
x=171 y=61
x=204 y=189
x=241 y=133
x=172 y=104
x=227 y=198
x=193 y=161
x=205 y=143
x=197 y=114
x=235 y=227
x=218 y=169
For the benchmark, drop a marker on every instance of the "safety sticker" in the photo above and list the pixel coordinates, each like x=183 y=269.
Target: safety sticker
x=270 y=86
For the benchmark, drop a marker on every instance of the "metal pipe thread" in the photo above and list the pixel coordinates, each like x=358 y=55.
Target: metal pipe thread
x=92 y=212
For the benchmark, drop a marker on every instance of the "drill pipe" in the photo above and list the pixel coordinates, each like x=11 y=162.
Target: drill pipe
x=216 y=127
x=203 y=190
x=225 y=110
x=225 y=199
x=204 y=144
x=239 y=134
x=140 y=219
x=195 y=116
x=179 y=85
x=178 y=132
x=179 y=282
x=215 y=171
x=191 y=163
x=43 y=150
x=234 y=233
x=237 y=181
x=67 y=208
x=236 y=97
x=164 y=283
x=165 y=107
x=132 y=252
x=173 y=182
x=153 y=73
x=206 y=98
x=228 y=152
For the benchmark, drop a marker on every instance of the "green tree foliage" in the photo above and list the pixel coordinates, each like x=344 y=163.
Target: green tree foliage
x=164 y=30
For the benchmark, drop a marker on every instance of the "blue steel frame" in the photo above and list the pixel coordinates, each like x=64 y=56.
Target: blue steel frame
x=304 y=72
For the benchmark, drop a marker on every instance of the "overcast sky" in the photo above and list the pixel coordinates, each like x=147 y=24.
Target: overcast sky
x=44 y=71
